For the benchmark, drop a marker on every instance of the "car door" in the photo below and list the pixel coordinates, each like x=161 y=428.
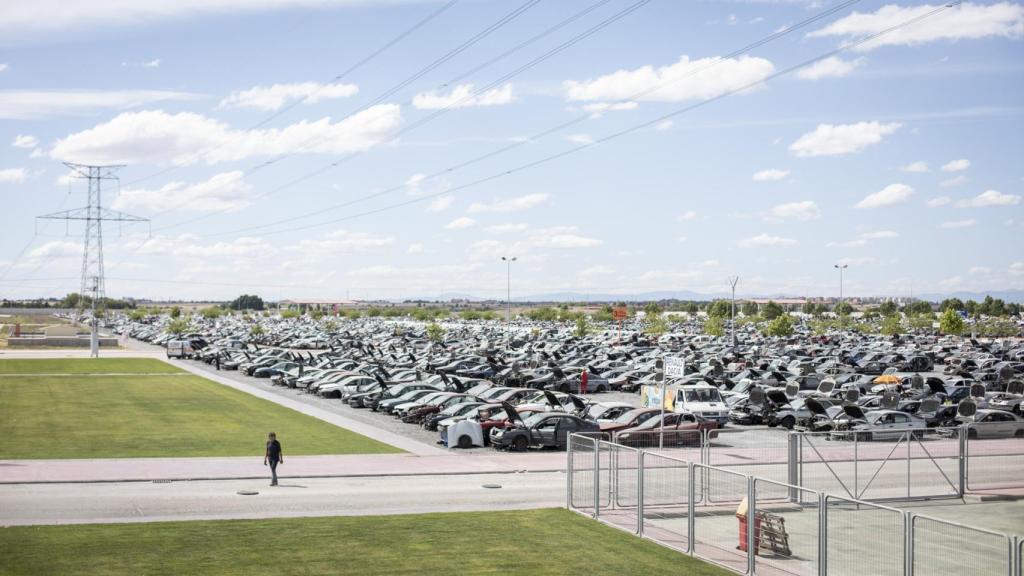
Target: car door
x=566 y=426
x=544 y=432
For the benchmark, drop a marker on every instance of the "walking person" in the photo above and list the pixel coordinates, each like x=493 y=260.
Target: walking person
x=583 y=382
x=273 y=457
x=216 y=360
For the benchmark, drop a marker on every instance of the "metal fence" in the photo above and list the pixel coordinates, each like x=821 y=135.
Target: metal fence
x=994 y=456
x=755 y=525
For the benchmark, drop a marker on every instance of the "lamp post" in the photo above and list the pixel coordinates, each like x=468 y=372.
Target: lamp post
x=732 y=315
x=841 y=268
x=508 y=300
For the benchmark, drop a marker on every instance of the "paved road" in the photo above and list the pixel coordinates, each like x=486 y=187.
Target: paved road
x=25 y=504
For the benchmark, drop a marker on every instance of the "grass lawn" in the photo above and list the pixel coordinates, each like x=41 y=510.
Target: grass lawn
x=94 y=416
x=86 y=366
x=532 y=542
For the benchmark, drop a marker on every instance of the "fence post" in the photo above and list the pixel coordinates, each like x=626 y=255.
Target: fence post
x=908 y=545
x=822 y=534
x=792 y=473
x=568 y=473
x=964 y=462
x=752 y=531
x=640 y=493
x=856 y=472
x=690 y=522
x=597 y=477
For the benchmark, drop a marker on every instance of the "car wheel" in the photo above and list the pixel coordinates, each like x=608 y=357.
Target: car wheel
x=1019 y=433
x=864 y=437
x=520 y=444
x=788 y=422
x=1016 y=410
x=465 y=442
x=972 y=433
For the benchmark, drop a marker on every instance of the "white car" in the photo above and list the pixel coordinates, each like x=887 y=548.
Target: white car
x=883 y=425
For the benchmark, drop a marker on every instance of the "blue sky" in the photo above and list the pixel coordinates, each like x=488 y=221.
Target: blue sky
x=900 y=157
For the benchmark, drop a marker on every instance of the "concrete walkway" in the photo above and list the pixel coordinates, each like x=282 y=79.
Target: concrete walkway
x=27 y=504
x=356 y=465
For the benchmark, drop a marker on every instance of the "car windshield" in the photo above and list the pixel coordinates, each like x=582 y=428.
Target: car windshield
x=627 y=417
x=702 y=395
x=535 y=419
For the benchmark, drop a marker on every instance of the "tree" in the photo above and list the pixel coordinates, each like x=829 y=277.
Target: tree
x=772 y=311
x=714 y=326
x=891 y=325
x=211 y=312
x=780 y=326
x=971 y=307
x=720 y=309
x=247 y=302
x=691 y=308
x=652 y=309
x=290 y=314
x=435 y=332
x=918 y=307
x=951 y=303
x=750 y=308
x=951 y=323
x=178 y=327
x=887 y=308
x=175 y=311
x=316 y=314
x=843 y=309
x=581 y=327
x=256 y=330
x=656 y=326
x=137 y=315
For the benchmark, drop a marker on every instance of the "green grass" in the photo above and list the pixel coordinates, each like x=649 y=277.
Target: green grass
x=536 y=542
x=151 y=416
x=86 y=366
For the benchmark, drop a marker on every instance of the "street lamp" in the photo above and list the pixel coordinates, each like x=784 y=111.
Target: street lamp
x=841 y=268
x=508 y=308
x=732 y=317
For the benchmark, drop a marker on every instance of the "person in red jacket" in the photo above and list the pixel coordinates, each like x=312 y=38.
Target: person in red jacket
x=583 y=382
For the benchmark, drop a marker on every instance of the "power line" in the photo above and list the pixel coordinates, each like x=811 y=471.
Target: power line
x=557 y=128
x=630 y=130
x=336 y=78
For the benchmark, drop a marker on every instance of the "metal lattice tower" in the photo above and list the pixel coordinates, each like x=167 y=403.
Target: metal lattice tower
x=94 y=214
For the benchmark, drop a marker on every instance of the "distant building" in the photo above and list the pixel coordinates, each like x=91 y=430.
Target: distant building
x=322 y=305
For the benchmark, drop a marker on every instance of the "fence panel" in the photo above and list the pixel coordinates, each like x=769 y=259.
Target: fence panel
x=751 y=452
x=716 y=534
x=623 y=486
x=666 y=493
x=685 y=444
x=995 y=456
x=863 y=538
x=582 y=454
x=941 y=547
x=786 y=529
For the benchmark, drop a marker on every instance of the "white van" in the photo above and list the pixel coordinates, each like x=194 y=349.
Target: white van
x=179 y=349
x=699 y=399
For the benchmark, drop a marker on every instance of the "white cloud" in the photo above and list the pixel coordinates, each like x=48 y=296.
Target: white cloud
x=663 y=125
x=771 y=174
x=955 y=181
x=1017 y=269
x=57 y=249
x=838 y=139
x=989 y=198
x=919 y=166
x=959 y=223
x=341 y=242
x=413 y=184
x=979 y=270
x=684 y=80
x=506 y=228
x=460 y=223
x=601 y=107
x=415 y=248
x=516 y=204
x=596 y=271
x=12 y=175
x=41 y=104
x=967 y=22
x=25 y=141
x=687 y=216
x=19 y=18
x=956 y=165
x=154 y=136
x=860 y=261
x=831 y=67
x=224 y=191
x=804 y=211
x=440 y=203
x=277 y=95
x=563 y=239
x=888 y=196
x=462 y=96
x=3 y=66
x=580 y=138
x=849 y=243
x=155 y=63
x=765 y=240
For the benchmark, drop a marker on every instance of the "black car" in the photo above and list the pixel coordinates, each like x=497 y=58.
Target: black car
x=545 y=429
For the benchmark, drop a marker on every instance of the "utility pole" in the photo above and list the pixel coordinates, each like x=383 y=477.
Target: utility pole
x=93 y=284
x=733 y=280
x=508 y=300
x=841 y=268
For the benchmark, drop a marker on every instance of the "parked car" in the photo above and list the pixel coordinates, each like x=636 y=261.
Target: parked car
x=544 y=430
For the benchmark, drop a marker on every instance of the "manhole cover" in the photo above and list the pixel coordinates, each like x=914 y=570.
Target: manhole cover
x=247 y=492
x=492 y=485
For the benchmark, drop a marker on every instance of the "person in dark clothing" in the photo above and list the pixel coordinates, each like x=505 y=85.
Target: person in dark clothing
x=273 y=457
x=216 y=360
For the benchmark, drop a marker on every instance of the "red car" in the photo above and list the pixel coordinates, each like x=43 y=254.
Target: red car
x=630 y=419
x=680 y=430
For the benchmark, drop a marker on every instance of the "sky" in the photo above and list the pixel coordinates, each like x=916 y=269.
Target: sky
x=399 y=149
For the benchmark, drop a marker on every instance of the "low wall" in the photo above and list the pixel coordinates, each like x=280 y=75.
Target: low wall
x=59 y=342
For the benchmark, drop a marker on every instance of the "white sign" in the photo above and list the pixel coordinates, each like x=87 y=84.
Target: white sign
x=675 y=367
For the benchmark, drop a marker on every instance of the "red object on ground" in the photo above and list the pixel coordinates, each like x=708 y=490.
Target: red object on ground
x=583 y=382
x=743 y=532
x=17 y=330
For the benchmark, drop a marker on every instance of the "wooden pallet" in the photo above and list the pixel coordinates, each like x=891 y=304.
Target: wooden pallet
x=773 y=534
